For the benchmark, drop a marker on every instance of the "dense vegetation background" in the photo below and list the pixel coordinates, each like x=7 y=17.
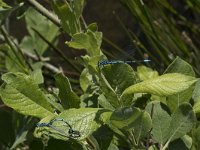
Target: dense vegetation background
x=51 y=67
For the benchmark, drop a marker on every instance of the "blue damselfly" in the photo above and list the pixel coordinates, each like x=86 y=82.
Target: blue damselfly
x=102 y=63
x=70 y=134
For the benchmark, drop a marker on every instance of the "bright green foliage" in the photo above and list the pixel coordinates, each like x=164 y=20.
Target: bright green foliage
x=23 y=94
x=160 y=119
x=84 y=120
x=145 y=73
x=114 y=107
x=69 y=14
x=165 y=85
x=180 y=66
x=114 y=80
x=166 y=128
x=69 y=99
x=90 y=41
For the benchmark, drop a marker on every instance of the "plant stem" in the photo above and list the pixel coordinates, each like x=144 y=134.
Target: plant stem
x=44 y=12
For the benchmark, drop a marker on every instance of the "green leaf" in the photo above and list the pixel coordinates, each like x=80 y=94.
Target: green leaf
x=54 y=101
x=37 y=76
x=69 y=15
x=196 y=97
x=125 y=118
x=90 y=41
x=84 y=120
x=85 y=79
x=180 y=66
x=109 y=93
x=145 y=73
x=165 y=85
x=21 y=93
x=4 y=6
x=195 y=137
x=44 y=26
x=160 y=121
x=114 y=80
x=78 y=7
x=182 y=121
x=93 y=27
x=105 y=103
x=143 y=126
x=20 y=139
x=174 y=101
x=69 y=99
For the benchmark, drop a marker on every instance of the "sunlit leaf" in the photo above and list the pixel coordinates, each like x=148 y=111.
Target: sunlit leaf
x=145 y=73
x=165 y=85
x=90 y=41
x=22 y=94
x=84 y=120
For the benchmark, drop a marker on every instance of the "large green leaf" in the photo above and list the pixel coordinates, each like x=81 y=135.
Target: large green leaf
x=125 y=118
x=69 y=15
x=114 y=80
x=22 y=94
x=142 y=126
x=180 y=66
x=84 y=120
x=109 y=93
x=90 y=41
x=165 y=85
x=174 y=101
x=69 y=99
x=43 y=26
x=182 y=121
x=160 y=121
